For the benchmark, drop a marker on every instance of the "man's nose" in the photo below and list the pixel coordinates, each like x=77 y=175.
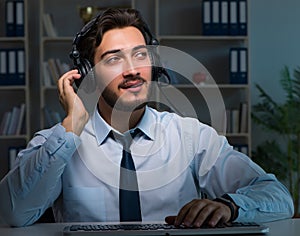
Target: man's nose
x=130 y=69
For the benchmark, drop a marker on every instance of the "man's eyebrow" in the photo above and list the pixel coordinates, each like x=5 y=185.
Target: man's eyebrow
x=119 y=50
x=109 y=52
x=138 y=47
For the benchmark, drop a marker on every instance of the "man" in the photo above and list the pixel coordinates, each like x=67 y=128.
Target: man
x=74 y=167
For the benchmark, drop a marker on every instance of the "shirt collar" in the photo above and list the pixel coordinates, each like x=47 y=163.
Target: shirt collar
x=147 y=123
x=102 y=129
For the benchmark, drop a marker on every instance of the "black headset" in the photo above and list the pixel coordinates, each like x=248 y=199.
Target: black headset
x=85 y=67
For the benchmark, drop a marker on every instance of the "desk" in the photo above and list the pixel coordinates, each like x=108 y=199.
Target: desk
x=289 y=227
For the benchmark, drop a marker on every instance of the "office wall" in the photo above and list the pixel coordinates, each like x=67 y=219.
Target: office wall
x=274 y=42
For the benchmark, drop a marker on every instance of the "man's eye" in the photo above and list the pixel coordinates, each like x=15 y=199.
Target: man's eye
x=141 y=55
x=112 y=60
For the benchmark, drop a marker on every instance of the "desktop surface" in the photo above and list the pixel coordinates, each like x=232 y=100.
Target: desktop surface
x=290 y=227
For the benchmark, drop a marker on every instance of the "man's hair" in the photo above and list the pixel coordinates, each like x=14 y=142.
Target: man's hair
x=112 y=18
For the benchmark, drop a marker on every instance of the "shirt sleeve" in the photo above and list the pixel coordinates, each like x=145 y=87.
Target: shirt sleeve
x=259 y=195
x=35 y=182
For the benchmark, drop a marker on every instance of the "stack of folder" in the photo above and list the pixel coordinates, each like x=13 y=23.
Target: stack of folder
x=238 y=65
x=224 y=17
x=12 y=66
x=14 y=18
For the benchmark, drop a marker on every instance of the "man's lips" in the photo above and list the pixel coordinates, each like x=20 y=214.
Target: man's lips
x=127 y=84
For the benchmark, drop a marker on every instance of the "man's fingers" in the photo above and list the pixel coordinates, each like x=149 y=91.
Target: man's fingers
x=196 y=209
x=66 y=79
x=199 y=212
x=210 y=215
x=65 y=82
x=170 y=220
x=221 y=214
x=216 y=218
x=183 y=212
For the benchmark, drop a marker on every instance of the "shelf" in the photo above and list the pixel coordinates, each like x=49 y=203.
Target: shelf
x=12 y=39
x=201 y=37
x=212 y=86
x=57 y=39
x=13 y=87
x=13 y=137
x=187 y=86
x=44 y=88
x=245 y=135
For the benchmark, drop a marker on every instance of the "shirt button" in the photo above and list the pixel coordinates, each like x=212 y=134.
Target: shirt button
x=59 y=140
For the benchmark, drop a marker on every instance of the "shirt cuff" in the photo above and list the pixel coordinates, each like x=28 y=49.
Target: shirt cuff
x=61 y=143
x=247 y=207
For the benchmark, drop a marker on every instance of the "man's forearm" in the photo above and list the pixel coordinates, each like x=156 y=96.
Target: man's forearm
x=30 y=188
x=265 y=199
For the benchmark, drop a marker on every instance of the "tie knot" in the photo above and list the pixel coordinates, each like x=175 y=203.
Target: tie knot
x=126 y=139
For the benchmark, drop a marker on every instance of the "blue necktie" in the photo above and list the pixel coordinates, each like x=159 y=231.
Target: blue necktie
x=129 y=198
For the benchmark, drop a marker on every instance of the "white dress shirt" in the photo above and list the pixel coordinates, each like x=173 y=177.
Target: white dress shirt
x=177 y=160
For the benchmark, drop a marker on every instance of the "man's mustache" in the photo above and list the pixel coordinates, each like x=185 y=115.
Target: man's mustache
x=133 y=80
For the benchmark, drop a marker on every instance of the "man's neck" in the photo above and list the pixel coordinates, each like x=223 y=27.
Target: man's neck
x=120 y=120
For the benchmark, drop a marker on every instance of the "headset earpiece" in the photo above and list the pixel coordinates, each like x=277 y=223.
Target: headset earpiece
x=84 y=69
x=83 y=66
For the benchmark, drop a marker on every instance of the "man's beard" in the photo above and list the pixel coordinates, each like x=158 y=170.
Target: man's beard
x=115 y=102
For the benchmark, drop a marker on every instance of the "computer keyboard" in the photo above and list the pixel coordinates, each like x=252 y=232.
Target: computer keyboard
x=160 y=229
x=109 y=227
x=100 y=227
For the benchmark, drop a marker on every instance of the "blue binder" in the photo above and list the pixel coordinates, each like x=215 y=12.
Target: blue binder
x=14 y=18
x=3 y=66
x=233 y=17
x=11 y=78
x=206 y=17
x=242 y=17
x=9 y=18
x=234 y=65
x=238 y=65
x=19 y=21
x=216 y=18
x=243 y=66
x=224 y=17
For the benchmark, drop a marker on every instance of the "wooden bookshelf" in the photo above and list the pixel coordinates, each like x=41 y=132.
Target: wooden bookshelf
x=13 y=93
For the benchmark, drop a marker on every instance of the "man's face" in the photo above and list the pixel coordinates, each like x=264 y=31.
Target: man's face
x=123 y=68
